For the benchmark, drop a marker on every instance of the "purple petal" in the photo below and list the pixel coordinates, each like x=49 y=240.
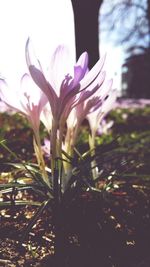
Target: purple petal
x=96 y=117
x=40 y=80
x=91 y=89
x=83 y=61
x=93 y=73
x=80 y=68
x=92 y=104
x=36 y=72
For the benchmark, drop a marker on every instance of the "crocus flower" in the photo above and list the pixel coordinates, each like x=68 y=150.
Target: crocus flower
x=66 y=80
x=104 y=126
x=90 y=106
x=74 y=121
x=96 y=117
x=28 y=99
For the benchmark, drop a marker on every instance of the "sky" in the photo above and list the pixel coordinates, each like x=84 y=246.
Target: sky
x=48 y=23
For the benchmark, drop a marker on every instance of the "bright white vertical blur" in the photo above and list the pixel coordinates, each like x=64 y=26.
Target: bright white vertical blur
x=114 y=54
x=47 y=22
x=114 y=60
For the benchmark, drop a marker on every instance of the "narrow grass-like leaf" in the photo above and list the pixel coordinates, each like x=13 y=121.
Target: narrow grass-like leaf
x=34 y=219
x=35 y=175
x=19 y=203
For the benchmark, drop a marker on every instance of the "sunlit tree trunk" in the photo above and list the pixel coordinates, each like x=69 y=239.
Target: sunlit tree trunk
x=86 y=14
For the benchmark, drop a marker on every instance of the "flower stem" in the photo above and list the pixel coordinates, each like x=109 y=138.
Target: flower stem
x=39 y=156
x=92 y=147
x=56 y=165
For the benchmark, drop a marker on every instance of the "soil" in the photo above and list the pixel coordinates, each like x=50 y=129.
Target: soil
x=101 y=230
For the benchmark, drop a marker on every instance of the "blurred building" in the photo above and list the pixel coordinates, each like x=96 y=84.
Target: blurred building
x=136 y=76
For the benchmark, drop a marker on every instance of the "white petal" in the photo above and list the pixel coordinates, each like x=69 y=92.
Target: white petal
x=61 y=64
x=10 y=97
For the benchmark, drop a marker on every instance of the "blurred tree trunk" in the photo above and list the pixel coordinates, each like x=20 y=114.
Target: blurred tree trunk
x=86 y=28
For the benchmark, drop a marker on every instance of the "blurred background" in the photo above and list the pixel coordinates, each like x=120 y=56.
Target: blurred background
x=125 y=30
x=119 y=28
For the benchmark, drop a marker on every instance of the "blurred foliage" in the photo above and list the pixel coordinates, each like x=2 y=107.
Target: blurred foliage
x=128 y=120
x=125 y=148
x=130 y=130
x=18 y=136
